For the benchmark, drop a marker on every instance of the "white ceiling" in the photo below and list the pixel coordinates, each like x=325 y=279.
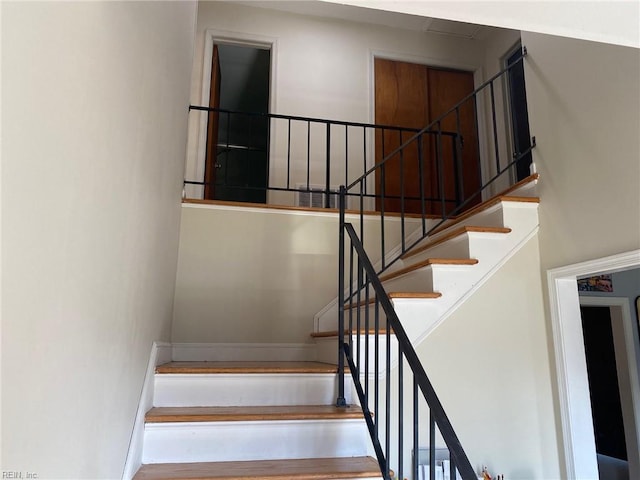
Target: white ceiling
x=374 y=17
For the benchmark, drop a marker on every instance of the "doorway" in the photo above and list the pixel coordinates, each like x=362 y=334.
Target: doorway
x=578 y=441
x=237 y=152
x=413 y=95
x=518 y=113
x=604 y=387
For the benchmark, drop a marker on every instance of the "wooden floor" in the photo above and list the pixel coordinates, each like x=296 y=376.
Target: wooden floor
x=235 y=414
x=246 y=367
x=301 y=469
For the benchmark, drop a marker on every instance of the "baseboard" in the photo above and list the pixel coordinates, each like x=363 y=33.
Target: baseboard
x=160 y=353
x=264 y=352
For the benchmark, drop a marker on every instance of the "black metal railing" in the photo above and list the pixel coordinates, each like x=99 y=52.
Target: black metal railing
x=365 y=337
x=256 y=153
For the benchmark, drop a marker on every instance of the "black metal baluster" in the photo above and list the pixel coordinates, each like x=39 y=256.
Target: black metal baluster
x=366 y=339
x=402 y=239
x=416 y=448
x=346 y=154
x=364 y=156
x=387 y=426
x=421 y=173
x=351 y=294
x=495 y=128
x=327 y=191
x=376 y=368
x=440 y=170
x=400 y=415
x=361 y=212
x=308 y=154
x=432 y=447
x=457 y=149
x=358 y=323
x=289 y=154
x=382 y=191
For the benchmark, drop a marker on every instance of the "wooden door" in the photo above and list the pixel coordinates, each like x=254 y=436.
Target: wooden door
x=459 y=164
x=401 y=98
x=412 y=95
x=211 y=163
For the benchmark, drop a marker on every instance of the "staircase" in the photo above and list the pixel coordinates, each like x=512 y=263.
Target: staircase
x=241 y=420
x=277 y=420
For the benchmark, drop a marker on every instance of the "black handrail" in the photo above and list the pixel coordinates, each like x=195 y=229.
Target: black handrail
x=438 y=416
x=355 y=291
x=330 y=135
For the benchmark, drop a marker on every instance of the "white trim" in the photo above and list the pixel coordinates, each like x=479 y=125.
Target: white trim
x=302 y=212
x=216 y=352
x=628 y=377
x=224 y=37
x=160 y=353
x=573 y=390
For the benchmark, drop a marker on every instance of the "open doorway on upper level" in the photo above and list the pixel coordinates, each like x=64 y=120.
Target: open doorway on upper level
x=237 y=148
x=517 y=111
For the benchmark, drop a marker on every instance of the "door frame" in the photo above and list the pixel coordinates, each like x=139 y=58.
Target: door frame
x=508 y=120
x=574 y=405
x=478 y=78
x=625 y=351
x=223 y=37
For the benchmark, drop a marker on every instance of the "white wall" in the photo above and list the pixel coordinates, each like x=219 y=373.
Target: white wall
x=489 y=364
x=94 y=102
x=322 y=68
x=259 y=275
x=584 y=111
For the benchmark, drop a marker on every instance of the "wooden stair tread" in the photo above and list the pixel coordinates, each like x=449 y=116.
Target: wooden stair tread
x=453 y=234
x=426 y=263
x=334 y=333
x=257 y=413
x=246 y=367
x=393 y=295
x=299 y=469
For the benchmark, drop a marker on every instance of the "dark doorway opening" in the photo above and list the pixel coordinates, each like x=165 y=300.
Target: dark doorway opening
x=519 y=114
x=604 y=390
x=237 y=165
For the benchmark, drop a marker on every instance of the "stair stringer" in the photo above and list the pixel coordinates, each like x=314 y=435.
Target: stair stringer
x=457 y=283
x=408 y=310
x=412 y=313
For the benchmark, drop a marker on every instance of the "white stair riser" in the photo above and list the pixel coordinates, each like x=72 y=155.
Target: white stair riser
x=457 y=247
x=264 y=440
x=432 y=278
x=201 y=390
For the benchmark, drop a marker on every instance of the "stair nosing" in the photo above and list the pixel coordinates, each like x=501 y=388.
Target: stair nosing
x=249 y=368
x=252 y=469
x=394 y=295
x=160 y=415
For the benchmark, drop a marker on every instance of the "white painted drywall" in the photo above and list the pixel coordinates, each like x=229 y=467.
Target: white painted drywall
x=613 y=22
x=94 y=106
x=489 y=364
x=259 y=275
x=322 y=68
x=584 y=109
